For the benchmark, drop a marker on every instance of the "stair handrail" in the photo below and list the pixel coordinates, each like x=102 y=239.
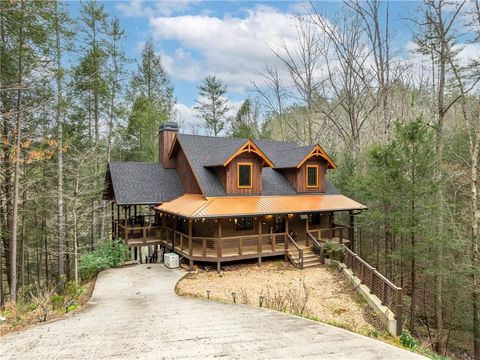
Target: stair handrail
x=318 y=246
x=299 y=249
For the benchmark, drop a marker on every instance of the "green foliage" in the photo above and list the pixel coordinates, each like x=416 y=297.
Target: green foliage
x=247 y=124
x=408 y=340
x=212 y=104
x=57 y=301
x=333 y=250
x=108 y=254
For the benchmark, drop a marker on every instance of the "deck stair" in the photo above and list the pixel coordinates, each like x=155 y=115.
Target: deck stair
x=310 y=259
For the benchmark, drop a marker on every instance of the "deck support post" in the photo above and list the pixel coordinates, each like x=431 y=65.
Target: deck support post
x=190 y=231
x=306 y=232
x=174 y=232
x=286 y=242
x=352 y=231
x=126 y=229
x=219 y=266
x=140 y=255
x=330 y=226
x=219 y=240
x=132 y=254
x=259 y=244
x=113 y=221
x=190 y=265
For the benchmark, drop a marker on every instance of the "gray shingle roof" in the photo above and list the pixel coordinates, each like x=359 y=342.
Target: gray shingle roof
x=206 y=151
x=143 y=183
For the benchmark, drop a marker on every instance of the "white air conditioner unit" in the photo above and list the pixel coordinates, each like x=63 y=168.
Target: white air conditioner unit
x=171 y=260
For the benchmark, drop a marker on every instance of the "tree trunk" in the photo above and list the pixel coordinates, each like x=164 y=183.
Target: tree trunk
x=59 y=121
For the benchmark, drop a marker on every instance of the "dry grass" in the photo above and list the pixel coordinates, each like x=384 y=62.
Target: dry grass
x=319 y=293
x=31 y=311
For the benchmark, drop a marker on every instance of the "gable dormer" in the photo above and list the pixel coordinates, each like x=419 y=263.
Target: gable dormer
x=307 y=173
x=240 y=170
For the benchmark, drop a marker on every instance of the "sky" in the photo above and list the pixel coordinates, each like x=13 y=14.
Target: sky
x=232 y=40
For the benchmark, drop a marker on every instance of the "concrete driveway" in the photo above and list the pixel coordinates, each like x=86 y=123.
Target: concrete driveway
x=135 y=314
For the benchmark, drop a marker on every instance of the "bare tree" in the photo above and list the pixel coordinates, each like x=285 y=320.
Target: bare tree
x=301 y=63
x=349 y=80
x=273 y=96
x=436 y=39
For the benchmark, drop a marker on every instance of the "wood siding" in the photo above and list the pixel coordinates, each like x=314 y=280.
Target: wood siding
x=165 y=141
x=185 y=174
x=228 y=175
x=298 y=177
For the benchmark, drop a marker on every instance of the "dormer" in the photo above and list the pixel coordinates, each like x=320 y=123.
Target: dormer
x=239 y=169
x=306 y=169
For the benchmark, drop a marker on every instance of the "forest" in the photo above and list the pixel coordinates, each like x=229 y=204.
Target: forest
x=404 y=134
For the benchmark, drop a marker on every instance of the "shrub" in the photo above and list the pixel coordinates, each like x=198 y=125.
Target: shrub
x=333 y=250
x=57 y=301
x=108 y=254
x=407 y=340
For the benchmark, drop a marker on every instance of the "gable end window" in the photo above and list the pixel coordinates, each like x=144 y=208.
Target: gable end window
x=312 y=176
x=244 y=223
x=244 y=175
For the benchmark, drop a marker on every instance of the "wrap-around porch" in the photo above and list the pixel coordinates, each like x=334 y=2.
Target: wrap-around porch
x=226 y=239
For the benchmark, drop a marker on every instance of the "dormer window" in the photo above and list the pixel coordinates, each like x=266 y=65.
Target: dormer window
x=312 y=176
x=244 y=175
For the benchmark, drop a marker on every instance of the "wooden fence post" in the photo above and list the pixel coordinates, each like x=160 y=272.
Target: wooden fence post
x=398 y=311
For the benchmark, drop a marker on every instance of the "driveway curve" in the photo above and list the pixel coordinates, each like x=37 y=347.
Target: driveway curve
x=135 y=314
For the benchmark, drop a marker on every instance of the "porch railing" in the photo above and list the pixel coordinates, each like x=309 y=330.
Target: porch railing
x=379 y=285
x=138 y=232
x=231 y=246
x=340 y=233
x=317 y=247
x=294 y=251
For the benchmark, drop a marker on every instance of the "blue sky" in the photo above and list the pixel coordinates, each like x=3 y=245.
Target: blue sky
x=232 y=40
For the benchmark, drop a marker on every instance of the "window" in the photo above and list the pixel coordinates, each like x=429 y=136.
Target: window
x=244 y=223
x=312 y=176
x=279 y=224
x=244 y=175
x=315 y=219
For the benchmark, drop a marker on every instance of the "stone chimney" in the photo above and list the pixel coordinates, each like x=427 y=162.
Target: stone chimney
x=166 y=135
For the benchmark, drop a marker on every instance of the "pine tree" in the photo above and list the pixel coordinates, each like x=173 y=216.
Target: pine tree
x=212 y=104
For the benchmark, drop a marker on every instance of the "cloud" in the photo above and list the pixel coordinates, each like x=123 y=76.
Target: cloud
x=234 y=48
x=139 y=8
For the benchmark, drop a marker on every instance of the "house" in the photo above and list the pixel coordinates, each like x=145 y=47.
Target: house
x=214 y=199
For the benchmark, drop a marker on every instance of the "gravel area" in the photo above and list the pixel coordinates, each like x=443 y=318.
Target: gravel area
x=321 y=293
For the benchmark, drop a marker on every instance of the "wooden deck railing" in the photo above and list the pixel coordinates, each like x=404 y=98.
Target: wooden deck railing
x=379 y=285
x=292 y=249
x=230 y=246
x=317 y=247
x=340 y=232
x=138 y=232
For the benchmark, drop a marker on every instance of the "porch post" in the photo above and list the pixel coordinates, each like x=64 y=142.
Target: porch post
x=190 y=249
x=125 y=223
x=352 y=231
x=174 y=232
x=259 y=245
x=330 y=226
x=113 y=220
x=219 y=245
x=306 y=231
x=286 y=241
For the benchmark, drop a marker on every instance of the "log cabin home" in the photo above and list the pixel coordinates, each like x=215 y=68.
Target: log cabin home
x=216 y=199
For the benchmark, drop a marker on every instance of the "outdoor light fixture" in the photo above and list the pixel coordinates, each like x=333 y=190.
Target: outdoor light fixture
x=208 y=294
x=260 y=300
x=234 y=296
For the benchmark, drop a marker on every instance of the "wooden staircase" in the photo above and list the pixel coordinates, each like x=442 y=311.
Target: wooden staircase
x=310 y=259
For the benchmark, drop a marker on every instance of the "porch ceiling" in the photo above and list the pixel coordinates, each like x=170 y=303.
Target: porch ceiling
x=196 y=206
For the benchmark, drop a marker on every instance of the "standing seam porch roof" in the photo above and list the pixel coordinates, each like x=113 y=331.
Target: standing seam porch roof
x=197 y=206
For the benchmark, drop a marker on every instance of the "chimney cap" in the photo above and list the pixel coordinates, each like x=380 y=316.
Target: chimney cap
x=168 y=126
